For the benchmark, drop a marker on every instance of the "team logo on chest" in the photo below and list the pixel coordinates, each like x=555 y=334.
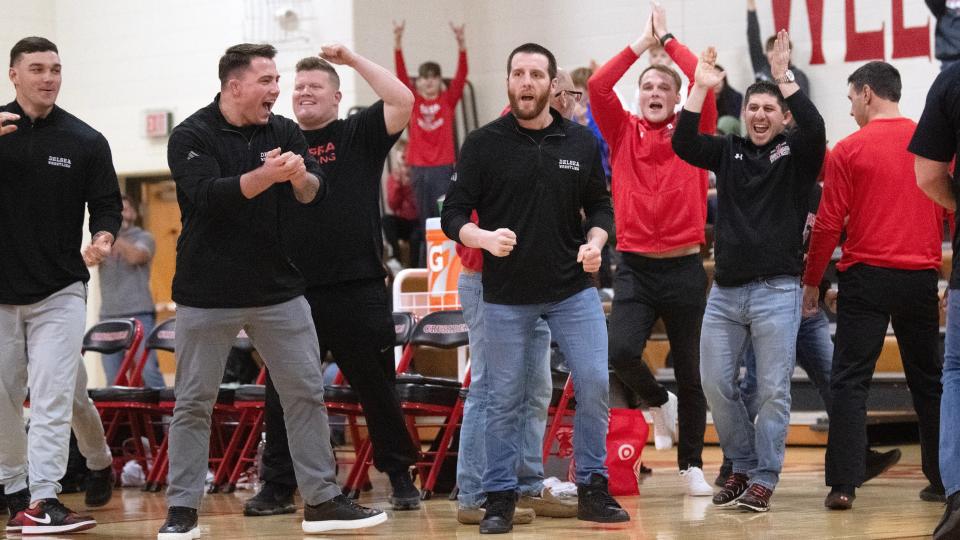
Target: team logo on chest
x=782 y=149
x=325 y=153
x=59 y=162
x=570 y=164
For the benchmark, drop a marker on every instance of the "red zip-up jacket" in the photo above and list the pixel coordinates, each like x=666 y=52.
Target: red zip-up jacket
x=870 y=189
x=659 y=200
x=431 y=122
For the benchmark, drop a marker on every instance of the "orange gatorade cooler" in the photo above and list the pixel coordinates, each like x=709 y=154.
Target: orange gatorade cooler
x=443 y=267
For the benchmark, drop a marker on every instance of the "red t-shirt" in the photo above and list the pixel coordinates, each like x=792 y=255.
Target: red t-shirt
x=400 y=198
x=431 y=122
x=869 y=183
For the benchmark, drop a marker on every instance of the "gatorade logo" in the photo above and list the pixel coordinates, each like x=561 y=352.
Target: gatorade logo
x=626 y=452
x=436 y=258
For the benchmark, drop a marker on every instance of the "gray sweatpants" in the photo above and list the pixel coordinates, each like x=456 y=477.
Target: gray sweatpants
x=39 y=347
x=285 y=337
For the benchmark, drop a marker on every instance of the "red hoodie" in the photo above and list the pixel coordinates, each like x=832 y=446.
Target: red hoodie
x=431 y=123
x=659 y=200
x=870 y=189
x=400 y=198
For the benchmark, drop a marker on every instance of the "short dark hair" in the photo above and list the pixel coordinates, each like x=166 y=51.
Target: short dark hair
x=428 y=69
x=580 y=76
x=668 y=71
x=881 y=77
x=533 y=48
x=315 y=63
x=238 y=58
x=29 y=45
x=769 y=88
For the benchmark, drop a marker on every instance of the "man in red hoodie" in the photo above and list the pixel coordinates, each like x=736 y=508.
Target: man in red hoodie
x=660 y=208
x=888 y=273
x=430 y=152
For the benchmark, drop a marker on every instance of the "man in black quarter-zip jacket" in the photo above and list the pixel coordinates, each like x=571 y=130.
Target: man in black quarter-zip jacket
x=529 y=175
x=233 y=163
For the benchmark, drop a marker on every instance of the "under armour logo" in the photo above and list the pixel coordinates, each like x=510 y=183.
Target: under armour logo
x=738 y=156
x=191 y=155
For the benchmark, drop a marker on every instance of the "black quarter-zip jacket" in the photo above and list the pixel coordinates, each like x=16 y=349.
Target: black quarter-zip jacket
x=229 y=253
x=763 y=192
x=538 y=192
x=50 y=170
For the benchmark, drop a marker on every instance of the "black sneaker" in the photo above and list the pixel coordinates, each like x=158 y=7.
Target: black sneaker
x=756 y=498
x=405 y=495
x=99 y=487
x=181 y=524
x=498 y=518
x=272 y=499
x=840 y=498
x=733 y=488
x=339 y=513
x=595 y=503
x=726 y=469
x=933 y=494
x=949 y=526
x=878 y=463
x=50 y=516
x=16 y=503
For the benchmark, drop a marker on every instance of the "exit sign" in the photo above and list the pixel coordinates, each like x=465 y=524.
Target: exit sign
x=157 y=123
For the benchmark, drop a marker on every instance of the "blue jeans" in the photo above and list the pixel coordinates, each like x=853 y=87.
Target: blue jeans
x=533 y=413
x=578 y=326
x=152 y=378
x=950 y=402
x=764 y=313
x=814 y=355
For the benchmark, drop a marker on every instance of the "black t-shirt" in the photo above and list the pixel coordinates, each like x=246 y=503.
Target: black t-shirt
x=938 y=138
x=340 y=239
x=536 y=134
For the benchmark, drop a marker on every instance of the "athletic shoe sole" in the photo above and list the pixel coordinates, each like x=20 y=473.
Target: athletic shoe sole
x=730 y=503
x=274 y=511
x=54 y=529
x=313 y=527
x=605 y=519
x=192 y=534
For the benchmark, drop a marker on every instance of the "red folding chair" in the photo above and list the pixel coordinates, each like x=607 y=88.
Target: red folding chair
x=123 y=404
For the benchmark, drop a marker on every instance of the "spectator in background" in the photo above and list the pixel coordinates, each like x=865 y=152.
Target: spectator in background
x=729 y=107
x=125 y=291
x=760 y=58
x=584 y=115
x=430 y=152
x=946 y=46
x=402 y=223
x=660 y=212
x=936 y=143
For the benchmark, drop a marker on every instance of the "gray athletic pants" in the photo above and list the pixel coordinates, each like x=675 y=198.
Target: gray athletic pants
x=39 y=347
x=285 y=337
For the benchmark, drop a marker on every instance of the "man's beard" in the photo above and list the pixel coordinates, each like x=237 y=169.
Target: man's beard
x=540 y=103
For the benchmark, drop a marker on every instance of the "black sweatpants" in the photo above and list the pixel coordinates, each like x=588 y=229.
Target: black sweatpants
x=869 y=299
x=674 y=289
x=354 y=322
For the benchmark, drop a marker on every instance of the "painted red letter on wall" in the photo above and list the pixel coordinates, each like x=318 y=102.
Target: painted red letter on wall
x=909 y=42
x=862 y=45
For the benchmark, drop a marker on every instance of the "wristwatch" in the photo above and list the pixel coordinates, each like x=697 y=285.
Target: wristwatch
x=787 y=78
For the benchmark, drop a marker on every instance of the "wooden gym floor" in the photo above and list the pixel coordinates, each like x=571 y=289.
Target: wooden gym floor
x=888 y=507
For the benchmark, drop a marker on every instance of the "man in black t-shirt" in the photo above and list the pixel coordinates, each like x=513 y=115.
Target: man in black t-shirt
x=338 y=246
x=936 y=143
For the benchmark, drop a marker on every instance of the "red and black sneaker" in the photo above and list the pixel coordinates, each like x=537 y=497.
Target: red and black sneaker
x=16 y=503
x=756 y=499
x=733 y=488
x=50 y=516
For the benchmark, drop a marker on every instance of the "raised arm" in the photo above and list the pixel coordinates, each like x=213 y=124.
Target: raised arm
x=758 y=59
x=397 y=97
x=401 y=66
x=698 y=149
x=687 y=62
x=455 y=91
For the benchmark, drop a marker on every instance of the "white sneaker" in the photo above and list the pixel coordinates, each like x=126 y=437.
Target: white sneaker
x=696 y=485
x=665 y=423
